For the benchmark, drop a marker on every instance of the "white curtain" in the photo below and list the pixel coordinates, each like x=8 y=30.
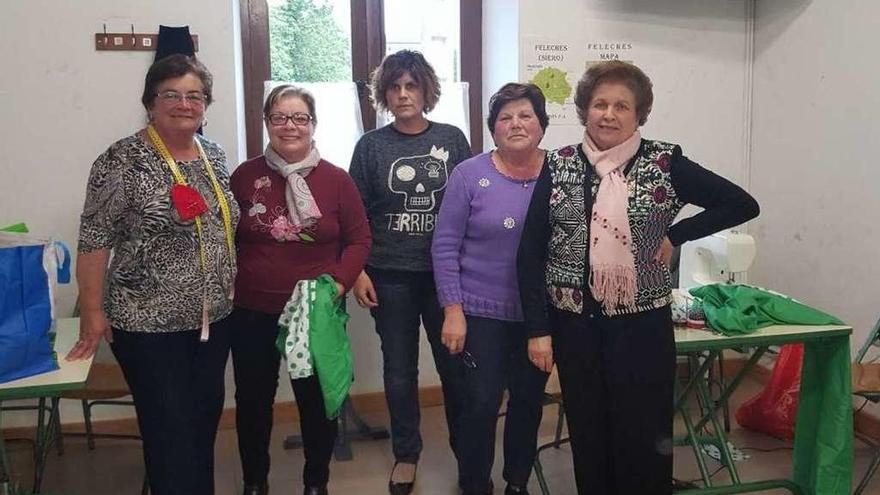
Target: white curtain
x=451 y=109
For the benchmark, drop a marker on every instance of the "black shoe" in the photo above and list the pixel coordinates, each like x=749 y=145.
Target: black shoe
x=489 y=491
x=405 y=488
x=401 y=488
x=256 y=489
x=515 y=490
x=315 y=490
x=681 y=485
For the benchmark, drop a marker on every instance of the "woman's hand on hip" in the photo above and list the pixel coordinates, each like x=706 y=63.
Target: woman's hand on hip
x=454 y=328
x=364 y=292
x=541 y=352
x=664 y=252
x=93 y=325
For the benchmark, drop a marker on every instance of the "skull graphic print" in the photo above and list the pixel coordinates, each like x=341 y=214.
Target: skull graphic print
x=419 y=178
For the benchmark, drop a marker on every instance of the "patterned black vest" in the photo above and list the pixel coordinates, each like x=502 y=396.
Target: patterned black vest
x=653 y=205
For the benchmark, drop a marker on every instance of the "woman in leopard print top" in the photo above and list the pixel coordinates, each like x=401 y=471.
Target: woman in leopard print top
x=162 y=299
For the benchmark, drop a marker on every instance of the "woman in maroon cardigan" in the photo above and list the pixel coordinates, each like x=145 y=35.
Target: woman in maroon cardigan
x=301 y=217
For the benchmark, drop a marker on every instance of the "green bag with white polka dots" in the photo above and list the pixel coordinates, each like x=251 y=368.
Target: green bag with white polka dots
x=312 y=336
x=293 y=331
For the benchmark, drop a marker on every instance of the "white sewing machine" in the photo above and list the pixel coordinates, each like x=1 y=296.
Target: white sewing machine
x=724 y=257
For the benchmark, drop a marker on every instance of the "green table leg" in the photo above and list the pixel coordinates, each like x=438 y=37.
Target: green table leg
x=729 y=388
x=685 y=392
x=5 y=487
x=539 y=473
x=46 y=434
x=694 y=441
x=710 y=408
x=751 y=487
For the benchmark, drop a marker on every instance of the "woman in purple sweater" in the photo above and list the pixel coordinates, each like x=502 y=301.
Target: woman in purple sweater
x=474 y=251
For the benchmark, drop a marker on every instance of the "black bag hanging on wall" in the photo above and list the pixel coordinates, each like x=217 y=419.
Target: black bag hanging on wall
x=172 y=40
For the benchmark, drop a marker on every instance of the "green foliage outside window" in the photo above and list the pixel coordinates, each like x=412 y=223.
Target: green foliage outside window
x=306 y=43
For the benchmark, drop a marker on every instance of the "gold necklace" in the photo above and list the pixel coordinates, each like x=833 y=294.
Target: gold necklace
x=533 y=168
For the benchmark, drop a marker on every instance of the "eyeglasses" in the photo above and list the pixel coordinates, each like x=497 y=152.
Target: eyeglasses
x=193 y=98
x=298 y=119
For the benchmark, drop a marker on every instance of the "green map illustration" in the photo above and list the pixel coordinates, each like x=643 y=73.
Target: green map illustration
x=553 y=84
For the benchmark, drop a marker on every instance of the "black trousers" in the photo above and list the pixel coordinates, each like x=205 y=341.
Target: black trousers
x=255 y=360
x=177 y=385
x=497 y=360
x=617 y=377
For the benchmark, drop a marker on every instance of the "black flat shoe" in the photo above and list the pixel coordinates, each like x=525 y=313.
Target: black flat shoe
x=515 y=490
x=402 y=487
x=681 y=485
x=315 y=490
x=256 y=489
x=489 y=491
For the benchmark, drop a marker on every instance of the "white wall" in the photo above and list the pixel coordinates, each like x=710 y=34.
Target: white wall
x=813 y=171
x=694 y=52
x=500 y=53
x=64 y=102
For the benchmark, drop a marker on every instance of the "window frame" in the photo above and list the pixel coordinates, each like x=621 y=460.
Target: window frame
x=368 y=49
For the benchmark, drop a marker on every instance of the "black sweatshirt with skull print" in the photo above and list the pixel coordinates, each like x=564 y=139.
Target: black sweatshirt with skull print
x=401 y=178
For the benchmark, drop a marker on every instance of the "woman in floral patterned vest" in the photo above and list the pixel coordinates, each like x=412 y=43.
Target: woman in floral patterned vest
x=594 y=278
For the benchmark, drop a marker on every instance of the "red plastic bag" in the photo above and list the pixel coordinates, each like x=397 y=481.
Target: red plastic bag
x=774 y=410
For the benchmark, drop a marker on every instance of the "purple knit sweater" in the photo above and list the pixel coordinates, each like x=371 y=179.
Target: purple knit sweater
x=476 y=239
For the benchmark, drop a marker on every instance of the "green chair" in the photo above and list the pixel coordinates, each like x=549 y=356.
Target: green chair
x=47 y=431
x=552 y=396
x=873 y=340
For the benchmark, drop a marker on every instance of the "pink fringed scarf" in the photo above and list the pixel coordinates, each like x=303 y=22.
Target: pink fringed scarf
x=612 y=265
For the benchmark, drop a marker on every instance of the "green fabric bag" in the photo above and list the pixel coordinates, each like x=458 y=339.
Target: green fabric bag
x=20 y=228
x=331 y=349
x=734 y=309
x=823 y=447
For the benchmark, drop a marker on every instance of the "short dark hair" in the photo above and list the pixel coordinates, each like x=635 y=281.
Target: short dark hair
x=393 y=66
x=516 y=91
x=170 y=67
x=619 y=72
x=289 y=90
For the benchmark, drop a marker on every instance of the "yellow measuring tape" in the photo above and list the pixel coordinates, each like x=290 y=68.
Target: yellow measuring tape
x=179 y=178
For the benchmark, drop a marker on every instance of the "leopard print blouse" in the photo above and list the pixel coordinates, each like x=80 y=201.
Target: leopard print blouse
x=155 y=282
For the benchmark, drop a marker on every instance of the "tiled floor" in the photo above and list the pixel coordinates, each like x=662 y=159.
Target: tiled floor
x=115 y=467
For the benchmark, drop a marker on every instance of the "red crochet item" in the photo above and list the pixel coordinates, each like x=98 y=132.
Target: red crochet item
x=187 y=201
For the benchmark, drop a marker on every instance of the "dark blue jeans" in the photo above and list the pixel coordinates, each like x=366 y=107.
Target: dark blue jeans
x=177 y=385
x=406 y=300
x=495 y=357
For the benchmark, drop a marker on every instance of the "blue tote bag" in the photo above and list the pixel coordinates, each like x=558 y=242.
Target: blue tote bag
x=30 y=268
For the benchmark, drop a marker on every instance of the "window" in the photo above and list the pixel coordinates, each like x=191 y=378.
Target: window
x=310 y=40
x=324 y=22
